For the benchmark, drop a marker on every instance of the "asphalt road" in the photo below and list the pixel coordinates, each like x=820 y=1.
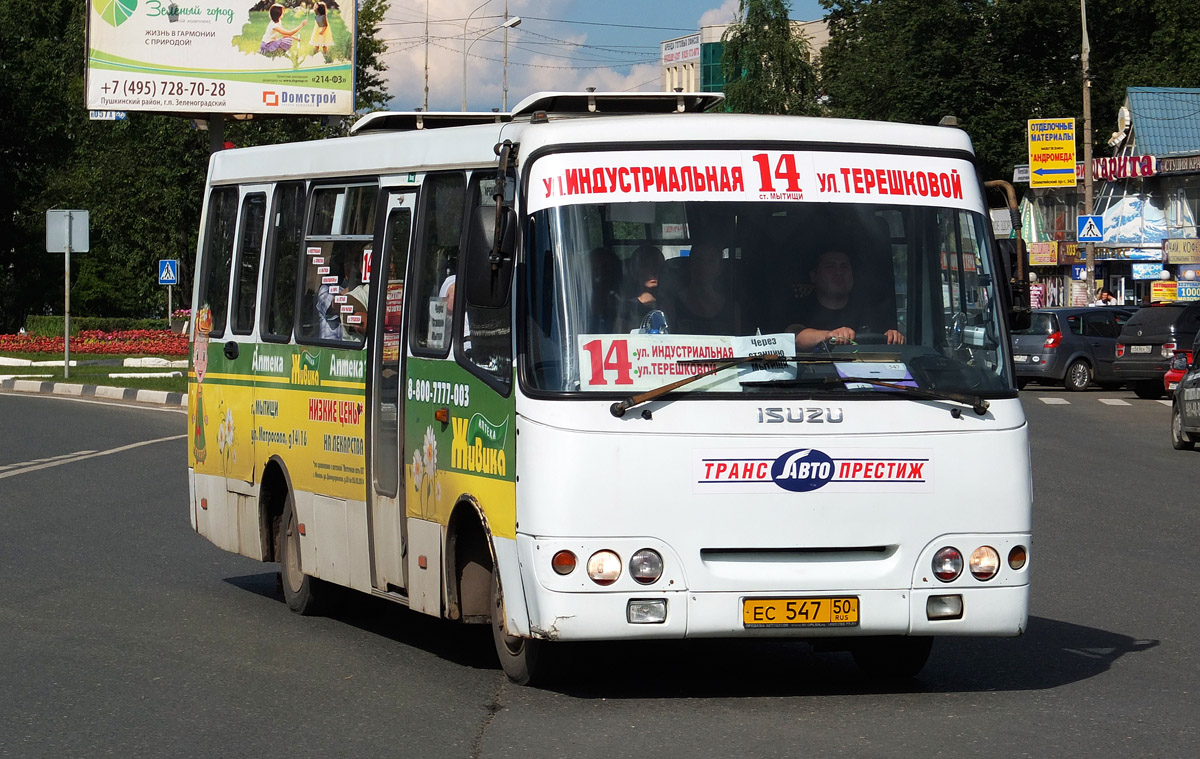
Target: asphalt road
x=123 y=633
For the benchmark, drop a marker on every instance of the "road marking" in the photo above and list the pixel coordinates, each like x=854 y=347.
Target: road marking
x=1055 y=401
x=1114 y=402
x=1166 y=403
x=33 y=466
x=6 y=467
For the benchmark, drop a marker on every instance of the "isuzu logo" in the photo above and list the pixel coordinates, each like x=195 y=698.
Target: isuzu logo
x=796 y=415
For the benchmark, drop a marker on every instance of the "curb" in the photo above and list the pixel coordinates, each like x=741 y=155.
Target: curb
x=157 y=397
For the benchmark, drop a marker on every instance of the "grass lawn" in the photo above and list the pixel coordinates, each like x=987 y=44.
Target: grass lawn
x=93 y=369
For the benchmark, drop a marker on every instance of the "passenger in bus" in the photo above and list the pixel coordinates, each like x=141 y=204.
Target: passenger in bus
x=642 y=296
x=605 y=269
x=329 y=317
x=832 y=313
x=703 y=306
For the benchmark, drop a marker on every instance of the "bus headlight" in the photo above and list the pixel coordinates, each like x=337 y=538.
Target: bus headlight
x=985 y=563
x=604 y=567
x=947 y=564
x=646 y=566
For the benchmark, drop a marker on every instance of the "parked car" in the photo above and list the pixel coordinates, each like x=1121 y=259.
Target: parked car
x=1177 y=367
x=1149 y=340
x=1185 y=409
x=1074 y=346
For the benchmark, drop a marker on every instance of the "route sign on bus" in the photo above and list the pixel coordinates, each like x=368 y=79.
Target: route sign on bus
x=1051 y=152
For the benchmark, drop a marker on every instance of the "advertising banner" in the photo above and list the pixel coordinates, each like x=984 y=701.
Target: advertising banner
x=218 y=56
x=1182 y=250
x=1051 y=152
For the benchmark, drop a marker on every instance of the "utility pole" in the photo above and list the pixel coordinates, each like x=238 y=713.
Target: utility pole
x=504 y=90
x=426 y=105
x=1087 y=150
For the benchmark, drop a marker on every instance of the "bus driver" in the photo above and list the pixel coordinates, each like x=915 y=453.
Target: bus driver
x=831 y=313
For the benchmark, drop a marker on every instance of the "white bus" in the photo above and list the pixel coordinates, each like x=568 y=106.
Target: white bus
x=615 y=366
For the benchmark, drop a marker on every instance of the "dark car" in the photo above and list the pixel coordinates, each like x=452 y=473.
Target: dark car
x=1149 y=340
x=1074 y=346
x=1185 y=408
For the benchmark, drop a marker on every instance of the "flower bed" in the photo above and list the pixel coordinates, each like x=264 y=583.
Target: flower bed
x=132 y=341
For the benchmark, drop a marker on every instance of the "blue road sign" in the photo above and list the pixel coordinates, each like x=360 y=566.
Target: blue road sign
x=168 y=271
x=1089 y=228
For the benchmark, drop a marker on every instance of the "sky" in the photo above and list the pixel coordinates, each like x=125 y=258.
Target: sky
x=559 y=45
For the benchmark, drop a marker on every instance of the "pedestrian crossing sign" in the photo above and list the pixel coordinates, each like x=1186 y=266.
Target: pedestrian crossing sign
x=168 y=271
x=1089 y=228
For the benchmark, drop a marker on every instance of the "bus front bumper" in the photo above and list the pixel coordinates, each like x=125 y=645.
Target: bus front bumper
x=985 y=611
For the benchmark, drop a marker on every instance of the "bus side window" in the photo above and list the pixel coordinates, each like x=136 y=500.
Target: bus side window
x=339 y=239
x=283 y=252
x=435 y=275
x=245 y=294
x=485 y=333
x=218 y=255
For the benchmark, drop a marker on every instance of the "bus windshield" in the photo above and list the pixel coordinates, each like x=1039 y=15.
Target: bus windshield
x=631 y=296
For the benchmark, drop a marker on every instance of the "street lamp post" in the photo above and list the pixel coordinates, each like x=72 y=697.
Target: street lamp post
x=508 y=24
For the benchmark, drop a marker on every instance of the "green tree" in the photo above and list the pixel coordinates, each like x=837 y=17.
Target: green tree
x=141 y=179
x=371 y=90
x=765 y=64
x=997 y=63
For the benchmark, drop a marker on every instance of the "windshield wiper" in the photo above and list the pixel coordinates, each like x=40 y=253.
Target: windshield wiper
x=619 y=408
x=975 y=402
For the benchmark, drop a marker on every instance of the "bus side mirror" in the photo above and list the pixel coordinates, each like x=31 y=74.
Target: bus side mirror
x=490 y=267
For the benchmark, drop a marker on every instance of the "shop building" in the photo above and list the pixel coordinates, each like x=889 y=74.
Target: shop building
x=692 y=63
x=1148 y=194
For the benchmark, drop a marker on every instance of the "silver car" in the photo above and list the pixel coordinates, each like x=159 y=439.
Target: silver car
x=1072 y=346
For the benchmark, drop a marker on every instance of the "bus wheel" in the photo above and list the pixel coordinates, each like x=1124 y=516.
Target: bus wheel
x=303 y=594
x=892 y=658
x=522 y=659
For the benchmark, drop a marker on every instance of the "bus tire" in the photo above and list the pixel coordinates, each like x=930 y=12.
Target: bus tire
x=523 y=660
x=893 y=657
x=303 y=594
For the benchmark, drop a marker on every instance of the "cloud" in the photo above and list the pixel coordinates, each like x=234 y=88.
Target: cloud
x=726 y=14
x=535 y=62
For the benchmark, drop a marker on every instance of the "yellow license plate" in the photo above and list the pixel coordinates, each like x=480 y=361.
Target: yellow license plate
x=800 y=612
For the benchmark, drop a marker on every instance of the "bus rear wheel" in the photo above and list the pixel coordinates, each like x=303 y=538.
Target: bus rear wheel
x=892 y=657
x=304 y=594
x=524 y=660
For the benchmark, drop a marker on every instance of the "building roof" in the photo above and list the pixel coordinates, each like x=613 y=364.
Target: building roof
x=1166 y=120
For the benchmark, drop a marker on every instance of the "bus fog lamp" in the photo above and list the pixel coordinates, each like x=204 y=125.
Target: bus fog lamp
x=563 y=562
x=985 y=563
x=947 y=564
x=944 y=607
x=1017 y=557
x=604 y=567
x=646 y=566
x=647 y=612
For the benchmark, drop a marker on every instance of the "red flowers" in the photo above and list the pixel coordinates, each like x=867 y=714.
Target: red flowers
x=131 y=341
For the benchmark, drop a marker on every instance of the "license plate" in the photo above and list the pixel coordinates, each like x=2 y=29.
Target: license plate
x=1172 y=385
x=839 y=611
x=1139 y=349
x=1020 y=359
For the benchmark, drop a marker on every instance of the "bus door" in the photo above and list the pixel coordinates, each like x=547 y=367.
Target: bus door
x=389 y=266
x=234 y=409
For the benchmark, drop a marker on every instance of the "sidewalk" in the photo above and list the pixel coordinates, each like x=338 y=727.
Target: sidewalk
x=158 y=397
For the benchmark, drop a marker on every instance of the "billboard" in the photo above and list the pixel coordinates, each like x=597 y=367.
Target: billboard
x=218 y=56
x=681 y=50
x=1051 y=152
